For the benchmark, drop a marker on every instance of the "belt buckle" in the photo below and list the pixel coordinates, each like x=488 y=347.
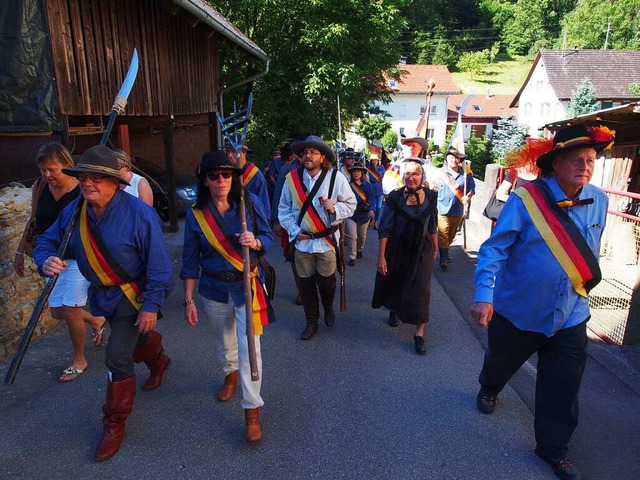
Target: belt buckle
x=228 y=277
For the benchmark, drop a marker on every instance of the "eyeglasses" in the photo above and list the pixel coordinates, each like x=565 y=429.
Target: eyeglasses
x=311 y=153
x=213 y=176
x=83 y=177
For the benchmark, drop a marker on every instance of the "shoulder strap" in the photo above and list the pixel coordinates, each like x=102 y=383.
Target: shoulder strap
x=333 y=182
x=311 y=194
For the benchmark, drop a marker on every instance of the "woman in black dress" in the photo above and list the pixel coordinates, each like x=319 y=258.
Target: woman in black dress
x=407 y=248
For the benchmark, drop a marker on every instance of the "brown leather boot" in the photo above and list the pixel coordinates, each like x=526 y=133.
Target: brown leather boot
x=228 y=387
x=152 y=354
x=252 y=419
x=116 y=410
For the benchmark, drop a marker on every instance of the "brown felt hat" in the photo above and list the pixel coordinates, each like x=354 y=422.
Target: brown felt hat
x=98 y=160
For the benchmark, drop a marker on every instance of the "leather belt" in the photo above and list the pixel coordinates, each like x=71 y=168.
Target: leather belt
x=228 y=276
x=323 y=233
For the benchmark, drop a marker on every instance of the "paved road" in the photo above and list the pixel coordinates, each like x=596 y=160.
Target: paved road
x=354 y=402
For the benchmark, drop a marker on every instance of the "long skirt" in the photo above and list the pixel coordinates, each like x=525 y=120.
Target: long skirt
x=406 y=289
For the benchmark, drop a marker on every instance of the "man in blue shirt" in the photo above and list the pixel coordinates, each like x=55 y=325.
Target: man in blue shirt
x=457 y=189
x=117 y=242
x=531 y=288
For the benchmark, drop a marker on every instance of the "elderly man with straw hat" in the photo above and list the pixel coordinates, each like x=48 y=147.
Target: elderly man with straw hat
x=117 y=242
x=532 y=282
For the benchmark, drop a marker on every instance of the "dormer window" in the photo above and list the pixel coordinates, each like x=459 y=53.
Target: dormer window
x=476 y=108
x=392 y=83
x=458 y=108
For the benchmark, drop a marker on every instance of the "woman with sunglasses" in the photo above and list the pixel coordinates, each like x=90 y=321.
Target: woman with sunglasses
x=213 y=242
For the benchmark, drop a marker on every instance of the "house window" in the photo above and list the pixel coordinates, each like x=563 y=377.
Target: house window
x=539 y=84
x=476 y=108
x=430 y=134
x=458 y=108
x=545 y=108
x=401 y=130
x=422 y=109
x=392 y=83
x=527 y=109
x=607 y=105
x=433 y=109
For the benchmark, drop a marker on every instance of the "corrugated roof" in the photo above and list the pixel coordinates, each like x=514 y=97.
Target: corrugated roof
x=482 y=106
x=610 y=71
x=414 y=80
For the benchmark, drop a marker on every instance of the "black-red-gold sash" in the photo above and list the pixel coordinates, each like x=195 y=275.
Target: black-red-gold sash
x=359 y=193
x=104 y=265
x=312 y=219
x=249 y=172
x=219 y=240
x=374 y=175
x=453 y=186
x=562 y=236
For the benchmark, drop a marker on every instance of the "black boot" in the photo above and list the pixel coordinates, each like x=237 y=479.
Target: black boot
x=327 y=288
x=311 y=305
x=393 y=319
x=444 y=254
x=296 y=278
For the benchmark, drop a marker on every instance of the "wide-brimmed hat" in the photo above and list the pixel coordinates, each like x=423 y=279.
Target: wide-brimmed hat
x=98 y=160
x=456 y=153
x=576 y=136
x=414 y=137
x=314 y=142
x=414 y=160
x=215 y=160
x=357 y=166
x=348 y=153
x=374 y=156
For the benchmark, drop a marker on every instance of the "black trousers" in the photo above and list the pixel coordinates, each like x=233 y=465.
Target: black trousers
x=123 y=340
x=561 y=362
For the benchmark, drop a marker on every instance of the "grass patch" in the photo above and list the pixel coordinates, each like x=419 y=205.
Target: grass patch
x=504 y=77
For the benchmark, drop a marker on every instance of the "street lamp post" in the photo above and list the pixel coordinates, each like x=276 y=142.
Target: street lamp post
x=430 y=86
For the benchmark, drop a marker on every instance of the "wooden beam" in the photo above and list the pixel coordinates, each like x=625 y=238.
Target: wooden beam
x=170 y=168
x=123 y=138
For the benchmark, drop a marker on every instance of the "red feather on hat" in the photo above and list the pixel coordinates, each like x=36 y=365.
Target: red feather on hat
x=602 y=134
x=528 y=154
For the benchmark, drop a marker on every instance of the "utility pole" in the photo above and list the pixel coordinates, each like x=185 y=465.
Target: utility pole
x=606 y=40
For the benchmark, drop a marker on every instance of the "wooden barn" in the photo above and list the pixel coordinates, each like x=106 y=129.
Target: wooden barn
x=63 y=61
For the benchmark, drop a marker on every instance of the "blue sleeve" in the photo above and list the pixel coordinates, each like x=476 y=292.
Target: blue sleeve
x=159 y=268
x=471 y=184
x=277 y=192
x=259 y=188
x=262 y=228
x=48 y=243
x=495 y=250
x=190 y=249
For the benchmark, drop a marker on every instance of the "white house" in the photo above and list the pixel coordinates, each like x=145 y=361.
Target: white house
x=555 y=74
x=409 y=99
x=481 y=113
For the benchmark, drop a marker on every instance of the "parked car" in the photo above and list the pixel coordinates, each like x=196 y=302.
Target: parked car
x=186 y=188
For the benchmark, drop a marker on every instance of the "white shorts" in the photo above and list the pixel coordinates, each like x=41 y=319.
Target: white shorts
x=70 y=289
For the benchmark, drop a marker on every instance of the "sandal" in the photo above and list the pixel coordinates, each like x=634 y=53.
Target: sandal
x=70 y=374
x=98 y=337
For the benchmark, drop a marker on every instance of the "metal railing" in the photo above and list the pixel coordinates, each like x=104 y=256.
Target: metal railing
x=610 y=300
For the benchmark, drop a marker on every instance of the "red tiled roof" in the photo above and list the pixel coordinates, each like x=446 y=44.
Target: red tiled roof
x=414 y=79
x=481 y=106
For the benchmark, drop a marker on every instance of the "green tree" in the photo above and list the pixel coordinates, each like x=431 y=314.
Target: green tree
x=474 y=62
x=634 y=88
x=534 y=22
x=389 y=140
x=477 y=150
x=586 y=25
x=373 y=127
x=507 y=137
x=319 y=50
x=583 y=99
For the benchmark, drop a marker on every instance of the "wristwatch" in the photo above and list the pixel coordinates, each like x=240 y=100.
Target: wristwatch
x=188 y=302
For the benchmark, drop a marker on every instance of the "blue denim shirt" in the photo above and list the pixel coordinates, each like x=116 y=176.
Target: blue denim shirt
x=448 y=203
x=132 y=231
x=200 y=259
x=517 y=272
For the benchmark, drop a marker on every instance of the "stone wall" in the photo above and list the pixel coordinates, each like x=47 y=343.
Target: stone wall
x=18 y=295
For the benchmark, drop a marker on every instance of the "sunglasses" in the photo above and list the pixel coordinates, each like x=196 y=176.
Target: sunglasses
x=83 y=177
x=213 y=176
